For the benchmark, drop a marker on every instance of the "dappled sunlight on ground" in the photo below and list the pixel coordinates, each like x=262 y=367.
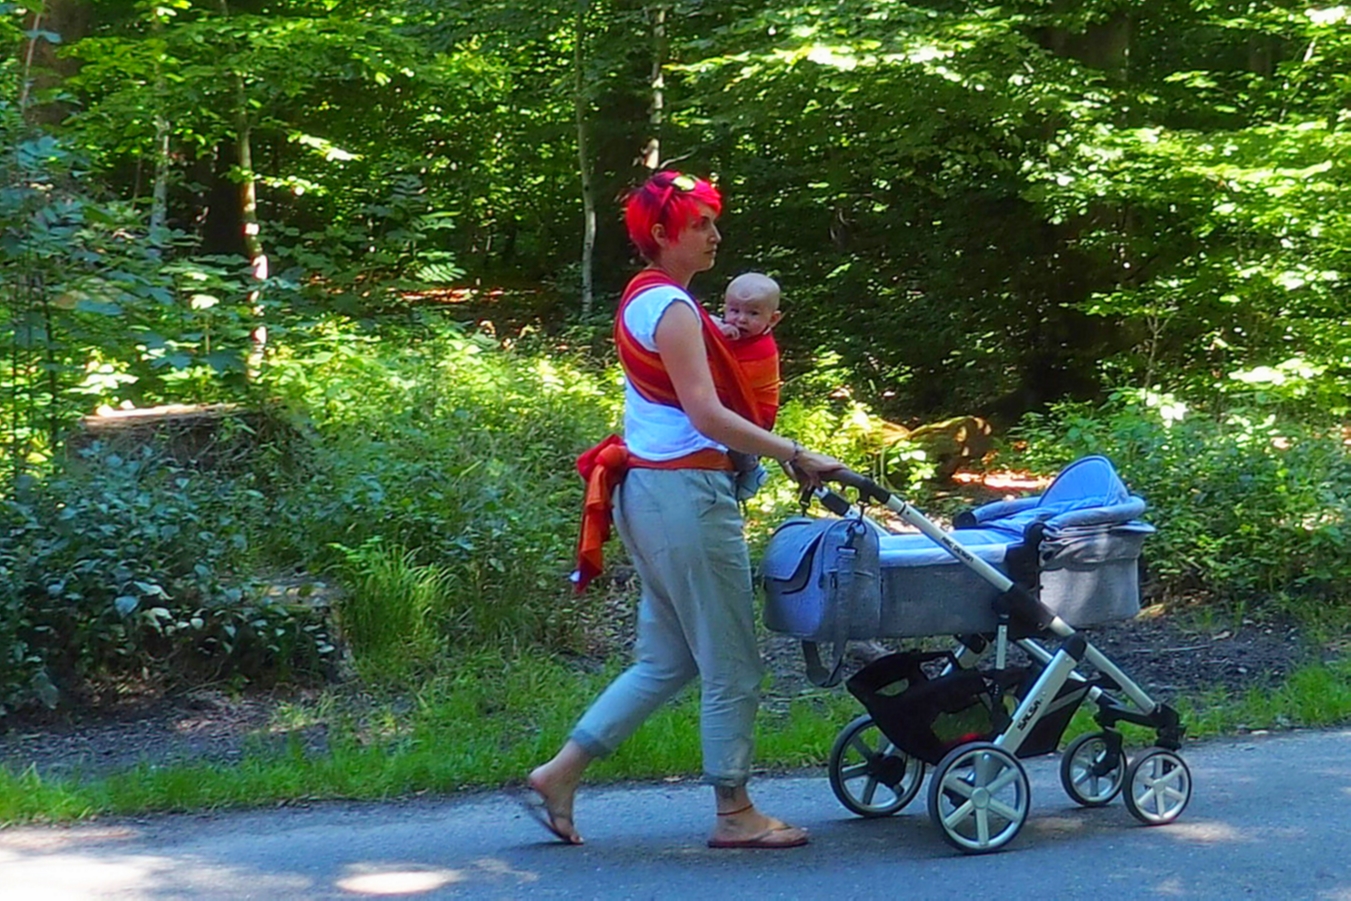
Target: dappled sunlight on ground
x=1210 y=833
x=1171 y=887
x=454 y=295
x=400 y=882
x=74 y=876
x=69 y=838
x=389 y=879
x=76 y=863
x=1057 y=826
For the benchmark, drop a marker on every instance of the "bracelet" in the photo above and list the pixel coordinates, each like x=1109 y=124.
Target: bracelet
x=797 y=452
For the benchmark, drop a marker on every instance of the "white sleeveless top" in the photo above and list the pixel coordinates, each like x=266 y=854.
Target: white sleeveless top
x=655 y=431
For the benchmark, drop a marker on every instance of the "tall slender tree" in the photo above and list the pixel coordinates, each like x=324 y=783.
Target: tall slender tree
x=581 y=104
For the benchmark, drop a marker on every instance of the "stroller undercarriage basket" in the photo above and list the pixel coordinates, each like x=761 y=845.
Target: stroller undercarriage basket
x=927 y=716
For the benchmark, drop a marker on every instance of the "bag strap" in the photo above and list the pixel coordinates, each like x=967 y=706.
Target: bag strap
x=841 y=578
x=816 y=672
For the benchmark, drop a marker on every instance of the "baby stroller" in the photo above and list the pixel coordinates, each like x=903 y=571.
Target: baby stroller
x=1012 y=579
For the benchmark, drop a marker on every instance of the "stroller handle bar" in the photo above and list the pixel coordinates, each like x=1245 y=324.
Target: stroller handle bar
x=868 y=490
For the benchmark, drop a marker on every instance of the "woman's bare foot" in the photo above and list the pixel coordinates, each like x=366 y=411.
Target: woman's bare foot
x=748 y=828
x=553 y=807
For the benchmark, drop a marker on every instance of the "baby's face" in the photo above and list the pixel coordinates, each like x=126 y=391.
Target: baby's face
x=752 y=316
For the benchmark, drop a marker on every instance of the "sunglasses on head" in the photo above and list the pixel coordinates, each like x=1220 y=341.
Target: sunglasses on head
x=682 y=183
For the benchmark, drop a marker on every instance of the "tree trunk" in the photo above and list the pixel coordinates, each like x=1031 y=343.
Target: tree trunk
x=253 y=245
x=579 y=99
x=248 y=216
x=159 y=200
x=43 y=68
x=1102 y=45
x=159 y=203
x=650 y=156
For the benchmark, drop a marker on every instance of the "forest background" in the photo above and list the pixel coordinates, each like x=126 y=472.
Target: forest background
x=380 y=244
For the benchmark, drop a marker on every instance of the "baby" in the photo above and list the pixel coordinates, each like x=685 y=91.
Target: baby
x=750 y=306
x=750 y=312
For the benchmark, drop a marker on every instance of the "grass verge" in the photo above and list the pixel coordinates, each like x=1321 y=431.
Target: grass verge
x=486 y=724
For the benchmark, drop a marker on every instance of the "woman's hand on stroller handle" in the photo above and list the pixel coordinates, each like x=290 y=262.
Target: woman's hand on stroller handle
x=809 y=468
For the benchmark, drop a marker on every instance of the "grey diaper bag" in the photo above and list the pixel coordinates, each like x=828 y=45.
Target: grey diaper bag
x=823 y=583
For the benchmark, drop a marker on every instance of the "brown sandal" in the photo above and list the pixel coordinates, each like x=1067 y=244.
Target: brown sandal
x=766 y=839
x=537 y=808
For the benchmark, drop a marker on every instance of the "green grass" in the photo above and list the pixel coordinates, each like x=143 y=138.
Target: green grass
x=486 y=724
x=483 y=726
x=395 y=609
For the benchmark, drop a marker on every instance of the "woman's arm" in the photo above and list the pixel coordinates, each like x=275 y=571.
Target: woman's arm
x=680 y=341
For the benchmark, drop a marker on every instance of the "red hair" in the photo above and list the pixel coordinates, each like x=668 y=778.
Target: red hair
x=671 y=200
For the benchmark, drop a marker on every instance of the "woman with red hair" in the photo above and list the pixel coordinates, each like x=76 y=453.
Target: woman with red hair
x=669 y=485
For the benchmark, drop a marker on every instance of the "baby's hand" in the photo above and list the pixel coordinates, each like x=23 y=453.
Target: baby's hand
x=728 y=330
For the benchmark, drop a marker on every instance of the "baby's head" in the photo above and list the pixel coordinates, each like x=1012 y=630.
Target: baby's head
x=752 y=304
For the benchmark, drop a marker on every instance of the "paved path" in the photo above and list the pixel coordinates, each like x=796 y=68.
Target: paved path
x=1270 y=818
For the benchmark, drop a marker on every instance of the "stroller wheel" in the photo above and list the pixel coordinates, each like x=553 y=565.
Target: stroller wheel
x=979 y=797
x=870 y=776
x=1092 y=769
x=1159 y=787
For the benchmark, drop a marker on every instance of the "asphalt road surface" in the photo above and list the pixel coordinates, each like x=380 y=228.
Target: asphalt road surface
x=1270 y=818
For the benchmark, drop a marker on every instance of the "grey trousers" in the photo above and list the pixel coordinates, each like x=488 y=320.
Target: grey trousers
x=683 y=530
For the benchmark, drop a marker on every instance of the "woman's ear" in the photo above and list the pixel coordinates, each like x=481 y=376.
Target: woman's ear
x=659 y=234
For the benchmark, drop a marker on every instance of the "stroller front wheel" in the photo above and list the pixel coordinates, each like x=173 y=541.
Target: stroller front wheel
x=1092 y=769
x=1160 y=785
x=869 y=775
x=979 y=797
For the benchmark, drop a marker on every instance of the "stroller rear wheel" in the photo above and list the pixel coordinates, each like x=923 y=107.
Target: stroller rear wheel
x=979 y=797
x=1092 y=769
x=1160 y=785
x=869 y=775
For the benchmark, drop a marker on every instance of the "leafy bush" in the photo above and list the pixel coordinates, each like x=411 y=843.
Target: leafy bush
x=97 y=307
x=1248 y=507
x=129 y=565
x=436 y=481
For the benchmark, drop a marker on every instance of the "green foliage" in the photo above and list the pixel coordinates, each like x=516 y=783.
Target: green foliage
x=985 y=209
x=482 y=721
x=131 y=566
x=63 y=275
x=90 y=311
x=460 y=456
x=1248 y=506
x=301 y=88
x=979 y=209
x=488 y=721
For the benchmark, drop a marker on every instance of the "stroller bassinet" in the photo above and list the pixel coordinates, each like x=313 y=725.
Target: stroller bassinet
x=1078 y=544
